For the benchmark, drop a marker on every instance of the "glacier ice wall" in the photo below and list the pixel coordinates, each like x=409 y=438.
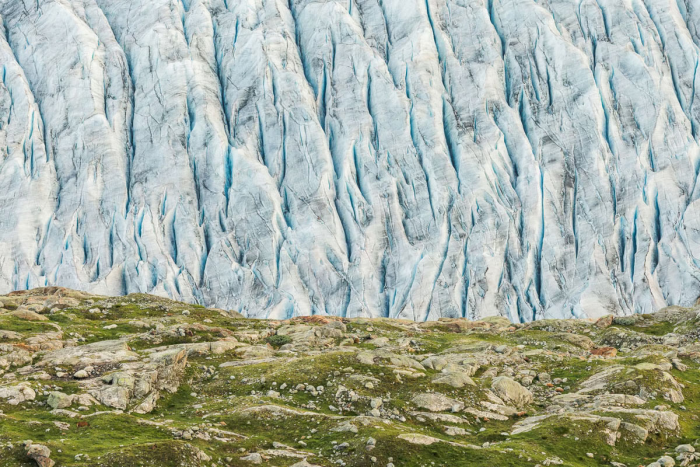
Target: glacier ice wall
x=402 y=158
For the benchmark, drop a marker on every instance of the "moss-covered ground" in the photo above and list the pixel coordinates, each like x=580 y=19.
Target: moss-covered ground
x=314 y=395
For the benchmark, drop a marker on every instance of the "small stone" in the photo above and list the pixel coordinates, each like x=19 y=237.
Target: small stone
x=80 y=374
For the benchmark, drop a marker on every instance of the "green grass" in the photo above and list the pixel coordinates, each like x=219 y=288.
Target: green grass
x=652 y=328
x=11 y=323
x=210 y=396
x=105 y=434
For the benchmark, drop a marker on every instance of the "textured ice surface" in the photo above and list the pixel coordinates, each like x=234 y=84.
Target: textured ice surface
x=403 y=158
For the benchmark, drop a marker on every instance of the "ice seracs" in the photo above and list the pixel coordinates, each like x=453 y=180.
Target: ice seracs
x=411 y=159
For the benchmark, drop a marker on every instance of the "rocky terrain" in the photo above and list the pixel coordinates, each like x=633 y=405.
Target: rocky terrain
x=410 y=159
x=89 y=380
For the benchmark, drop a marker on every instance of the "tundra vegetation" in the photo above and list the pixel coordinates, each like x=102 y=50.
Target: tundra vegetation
x=88 y=380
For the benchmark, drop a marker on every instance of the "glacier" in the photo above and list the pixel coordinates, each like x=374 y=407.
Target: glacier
x=412 y=159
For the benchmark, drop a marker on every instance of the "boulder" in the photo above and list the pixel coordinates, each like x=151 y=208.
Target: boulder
x=685 y=448
x=435 y=363
x=224 y=345
x=9 y=335
x=113 y=396
x=59 y=400
x=605 y=321
x=456 y=380
x=662 y=422
x=455 y=431
x=436 y=402
x=29 y=315
x=304 y=463
x=416 y=438
x=253 y=458
x=148 y=404
x=510 y=391
x=98 y=353
x=169 y=366
x=329 y=332
x=120 y=378
x=84 y=400
x=17 y=394
x=578 y=340
x=605 y=352
x=633 y=433
x=345 y=427
x=17 y=357
x=40 y=454
x=254 y=351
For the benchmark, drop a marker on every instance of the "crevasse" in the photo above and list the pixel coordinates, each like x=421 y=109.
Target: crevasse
x=405 y=158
